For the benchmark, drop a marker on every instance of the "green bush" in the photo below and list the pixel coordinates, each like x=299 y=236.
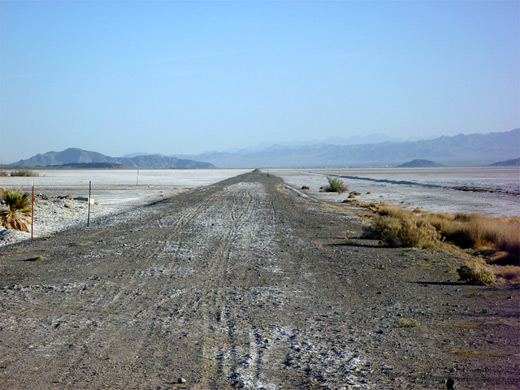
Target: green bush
x=336 y=185
x=16 y=202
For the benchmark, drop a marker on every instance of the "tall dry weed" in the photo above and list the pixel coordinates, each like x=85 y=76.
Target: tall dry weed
x=399 y=227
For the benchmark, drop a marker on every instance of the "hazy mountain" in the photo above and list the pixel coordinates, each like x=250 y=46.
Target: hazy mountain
x=471 y=149
x=417 y=163
x=92 y=165
x=354 y=140
x=508 y=163
x=375 y=138
x=130 y=155
x=79 y=156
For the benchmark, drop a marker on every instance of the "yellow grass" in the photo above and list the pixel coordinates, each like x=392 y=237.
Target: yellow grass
x=397 y=226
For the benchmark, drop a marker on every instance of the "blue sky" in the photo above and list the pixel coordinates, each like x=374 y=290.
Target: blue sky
x=186 y=77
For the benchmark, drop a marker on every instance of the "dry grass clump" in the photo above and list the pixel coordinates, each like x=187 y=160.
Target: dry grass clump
x=335 y=185
x=306 y=188
x=400 y=227
x=25 y=173
x=473 y=272
x=479 y=232
x=3 y=174
x=509 y=273
x=16 y=202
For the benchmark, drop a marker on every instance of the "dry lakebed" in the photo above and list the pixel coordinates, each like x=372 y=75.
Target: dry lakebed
x=246 y=283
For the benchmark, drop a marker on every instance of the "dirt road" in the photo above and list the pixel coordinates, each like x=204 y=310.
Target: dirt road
x=245 y=284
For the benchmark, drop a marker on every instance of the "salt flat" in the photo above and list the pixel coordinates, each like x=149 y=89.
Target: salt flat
x=419 y=187
x=113 y=190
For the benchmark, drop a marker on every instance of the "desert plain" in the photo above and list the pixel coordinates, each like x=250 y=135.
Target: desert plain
x=249 y=282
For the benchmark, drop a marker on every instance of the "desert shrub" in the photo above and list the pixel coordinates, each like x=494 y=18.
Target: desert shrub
x=476 y=273
x=335 y=185
x=3 y=174
x=17 y=202
x=399 y=227
x=25 y=173
x=306 y=188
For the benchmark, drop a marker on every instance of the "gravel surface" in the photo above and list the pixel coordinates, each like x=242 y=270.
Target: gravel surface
x=246 y=284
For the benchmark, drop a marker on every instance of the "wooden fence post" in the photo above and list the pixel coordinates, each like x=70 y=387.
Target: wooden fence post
x=89 y=191
x=32 y=212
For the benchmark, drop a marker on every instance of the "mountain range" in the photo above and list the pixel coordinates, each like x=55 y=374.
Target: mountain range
x=71 y=156
x=461 y=150
x=470 y=149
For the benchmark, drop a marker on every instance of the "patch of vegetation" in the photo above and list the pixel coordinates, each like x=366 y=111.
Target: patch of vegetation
x=17 y=202
x=25 y=173
x=510 y=273
x=473 y=272
x=306 y=188
x=335 y=185
x=3 y=174
x=405 y=323
x=399 y=227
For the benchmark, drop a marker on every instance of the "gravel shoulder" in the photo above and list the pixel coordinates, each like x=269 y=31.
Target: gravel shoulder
x=246 y=284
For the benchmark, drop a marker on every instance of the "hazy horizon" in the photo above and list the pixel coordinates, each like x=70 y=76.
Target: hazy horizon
x=190 y=77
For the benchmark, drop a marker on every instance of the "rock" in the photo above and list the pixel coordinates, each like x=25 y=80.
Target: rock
x=181 y=380
x=450 y=384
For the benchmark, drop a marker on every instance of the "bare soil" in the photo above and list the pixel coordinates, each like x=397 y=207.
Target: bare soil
x=245 y=284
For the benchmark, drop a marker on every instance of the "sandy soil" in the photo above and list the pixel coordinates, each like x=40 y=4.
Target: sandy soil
x=246 y=284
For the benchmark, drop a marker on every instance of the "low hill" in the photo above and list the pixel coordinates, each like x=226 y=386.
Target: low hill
x=508 y=163
x=417 y=163
x=78 y=156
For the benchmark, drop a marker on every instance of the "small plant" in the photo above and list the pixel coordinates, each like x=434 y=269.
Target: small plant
x=336 y=185
x=25 y=173
x=476 y=273
x=405 y=323
x=3 y=174
x=306 y=188
x=16 y=202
